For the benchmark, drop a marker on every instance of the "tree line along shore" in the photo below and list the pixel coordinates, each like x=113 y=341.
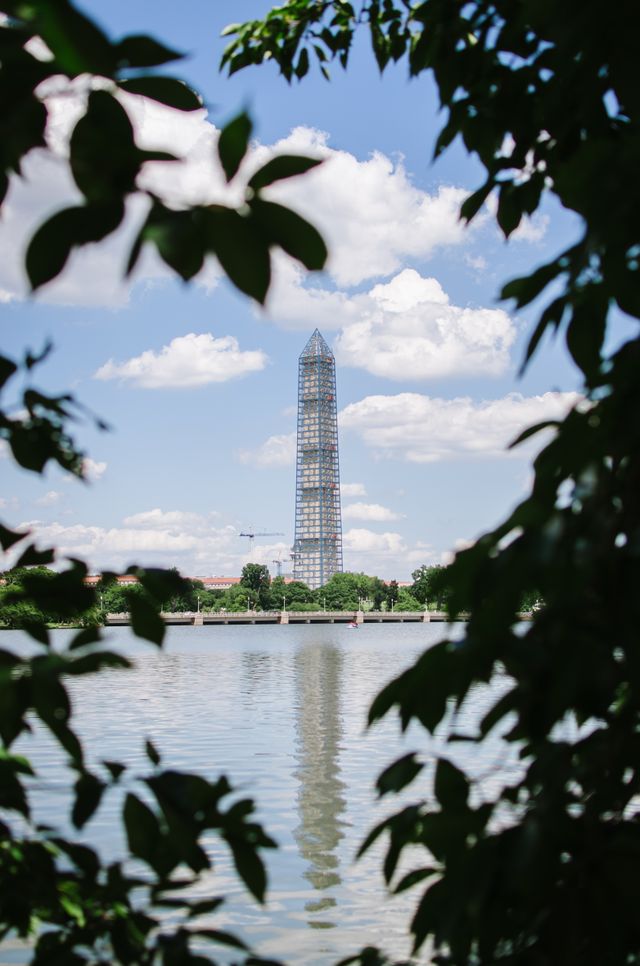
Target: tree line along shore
x=257 y=590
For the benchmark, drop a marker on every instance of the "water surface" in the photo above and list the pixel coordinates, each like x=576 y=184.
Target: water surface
x=281 y=710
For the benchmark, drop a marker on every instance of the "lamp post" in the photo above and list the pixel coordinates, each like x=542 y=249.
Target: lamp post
x=248 y=602
x=198 y=599
x=324 y=605
x=284 y=603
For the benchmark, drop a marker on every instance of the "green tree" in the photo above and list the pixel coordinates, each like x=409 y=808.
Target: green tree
x=346 y=590
x=544 y=869
x=392 y=593
x=406 y=601
x=237 y=599
x=256 y=579
x=55 y=890
x=430 y=585
x=295 y=592
x=379 y=592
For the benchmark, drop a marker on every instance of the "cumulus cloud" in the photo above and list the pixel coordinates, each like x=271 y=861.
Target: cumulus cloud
x=352 y=489
x=94 y=275
x=369 y=211
x=189 y=360
x=372 y=215
x=412 y=331
x=49 y=499
x=358 y=541
x=158 y=519
x=477 y=262
x=372 y=512
x=93 y=470
x=193 y=548
x=422 y=429
x=406 y=328
x=275 y=451
x=191 y=542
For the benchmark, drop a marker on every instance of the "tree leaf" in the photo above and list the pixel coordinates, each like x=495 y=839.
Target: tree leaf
x=220 y=936
x=250 y=868
x=78 y=45
x=167 y=90
x=145 y=621
x=242 y=251
x=53 y=242
x=143 y=832
x=152 y=753
x=451 y=786
x=88 y=635
x=88 y=794
x=283 y=166
x=9 y=537
x=532 y=430
x=398 y=775
x=233 y=143
x=139 y=50
x=7 y=369
x=104 y=158
x=283 y=227
x=414 y=877
x=34 y=558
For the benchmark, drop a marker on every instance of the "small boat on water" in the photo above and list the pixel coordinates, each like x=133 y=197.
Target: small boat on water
x=353 y=624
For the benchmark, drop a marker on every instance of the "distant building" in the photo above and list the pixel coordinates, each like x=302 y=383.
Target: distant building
x=317 y=547
x=217 y=583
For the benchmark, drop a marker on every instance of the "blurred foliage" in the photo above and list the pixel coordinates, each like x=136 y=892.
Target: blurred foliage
x=71 y=904
x=544 y=869
x=105 y=162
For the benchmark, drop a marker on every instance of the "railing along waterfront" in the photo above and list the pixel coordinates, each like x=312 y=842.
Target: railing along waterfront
x=298 y=617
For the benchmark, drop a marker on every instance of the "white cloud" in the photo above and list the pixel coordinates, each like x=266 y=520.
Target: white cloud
x=421 y=429
x=188 y=360
x=372 y=512
x=359 y=541
x=94 y=275
x=158 y=519
x=370 y=213
x=189 y=541
x=275 y=451
x=352 y=489
x=406 y=328
x=49 y=499
x=477 y=262
x=385 y=554
x=411 y=331
x=93 y=470
x=196 y=547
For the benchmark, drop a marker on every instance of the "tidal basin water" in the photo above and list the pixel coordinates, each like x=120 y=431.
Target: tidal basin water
x=281 y=711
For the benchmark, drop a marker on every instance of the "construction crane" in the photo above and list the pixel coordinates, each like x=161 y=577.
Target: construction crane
x=278 y=564
x=252 y=535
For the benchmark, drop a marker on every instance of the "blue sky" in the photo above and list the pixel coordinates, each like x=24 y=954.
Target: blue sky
x=199 y=385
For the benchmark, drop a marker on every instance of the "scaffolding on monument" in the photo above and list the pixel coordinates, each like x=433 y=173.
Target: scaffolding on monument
x=317 y=549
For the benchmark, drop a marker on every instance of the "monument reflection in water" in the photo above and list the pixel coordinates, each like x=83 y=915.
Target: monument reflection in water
x=321 y=795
